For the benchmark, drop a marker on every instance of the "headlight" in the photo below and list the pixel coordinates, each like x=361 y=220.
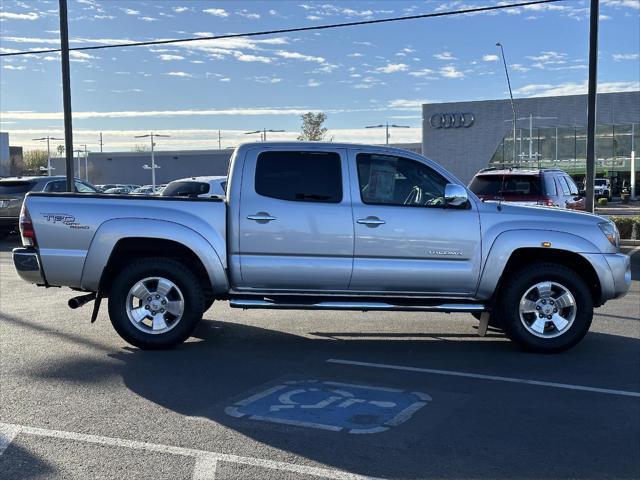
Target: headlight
x=611 y=232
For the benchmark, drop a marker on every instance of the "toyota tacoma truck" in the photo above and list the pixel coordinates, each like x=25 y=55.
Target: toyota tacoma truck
x=325 y=226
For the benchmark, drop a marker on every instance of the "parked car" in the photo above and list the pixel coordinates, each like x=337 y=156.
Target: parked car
x=196 y=187
x=602 y=188
x=317 y=225
x=107 y=186
x=124 y=190
x=145 y=190
x=548 y=187
x=14 y=189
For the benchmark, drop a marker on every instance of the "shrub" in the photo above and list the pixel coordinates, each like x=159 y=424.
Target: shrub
x=602 y=202
x=626 y=226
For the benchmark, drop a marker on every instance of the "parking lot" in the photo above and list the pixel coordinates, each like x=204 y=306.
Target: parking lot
x=270 y=394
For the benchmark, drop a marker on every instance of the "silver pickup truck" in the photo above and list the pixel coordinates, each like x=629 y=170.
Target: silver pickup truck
x=325 y=226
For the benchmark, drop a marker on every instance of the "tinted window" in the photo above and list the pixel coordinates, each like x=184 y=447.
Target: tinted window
x=185 y=189
x=84 y=188
x=504 y=185
x=299 y=176
x=57 y=186
x=564 y=188
x=389 y=180
x=549 y=185
x=573 y=188
x=15 y=187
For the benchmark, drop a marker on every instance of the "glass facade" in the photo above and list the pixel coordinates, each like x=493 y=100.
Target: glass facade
x=565 y=147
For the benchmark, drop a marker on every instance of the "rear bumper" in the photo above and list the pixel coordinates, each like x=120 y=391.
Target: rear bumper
x=27 y=265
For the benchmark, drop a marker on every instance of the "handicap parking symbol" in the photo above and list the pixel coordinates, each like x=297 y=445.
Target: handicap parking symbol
x=331 y=406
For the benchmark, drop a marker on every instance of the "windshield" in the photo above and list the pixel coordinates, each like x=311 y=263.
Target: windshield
x=601 y=182
x=15 y=187
x=499 y=185
x=185 y=189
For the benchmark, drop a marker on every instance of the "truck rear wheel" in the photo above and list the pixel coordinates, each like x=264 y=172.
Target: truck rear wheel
x=155 y=303
x=545 y=308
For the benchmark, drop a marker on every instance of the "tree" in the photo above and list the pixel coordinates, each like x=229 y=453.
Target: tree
x=140 y=148
x=60 y=150
x=33 y=160
x=312 y=129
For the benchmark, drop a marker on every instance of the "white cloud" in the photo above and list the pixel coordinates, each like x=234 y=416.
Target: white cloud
x=404 y=104
x=450 y=71
x=247 y=14
x=19 y=16
x=179 y=74
x=148 y=19
x=425 y=72
x=299 y=56
x=167 y=57
x=225 y=79
x=313 y=83
x=180 y=9
x=571 y=88
x=355 y=55
x=217 y=12
x=625 y=56
x=243 y=57
x=490 y=58
x=519 y=67
x=444 y=56
x=393 y=68
x=313 y=17
x=130 y=11
x=14 y=67
x=266 y=79
x=203 y=34
x=635 y=4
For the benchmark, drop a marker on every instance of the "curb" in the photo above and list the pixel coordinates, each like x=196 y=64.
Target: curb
x=629 y=243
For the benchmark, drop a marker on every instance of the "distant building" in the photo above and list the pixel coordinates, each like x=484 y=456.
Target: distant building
x=5 y=157
x=551 y=132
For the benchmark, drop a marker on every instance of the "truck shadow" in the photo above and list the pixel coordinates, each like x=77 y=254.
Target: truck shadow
x=450 y=439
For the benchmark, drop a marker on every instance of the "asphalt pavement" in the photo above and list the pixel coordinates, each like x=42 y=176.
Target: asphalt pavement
x=272 y=395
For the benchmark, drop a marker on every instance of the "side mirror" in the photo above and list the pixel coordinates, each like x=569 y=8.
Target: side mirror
x=455 y=195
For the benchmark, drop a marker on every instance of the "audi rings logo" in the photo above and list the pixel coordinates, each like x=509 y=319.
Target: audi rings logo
x=452 y=120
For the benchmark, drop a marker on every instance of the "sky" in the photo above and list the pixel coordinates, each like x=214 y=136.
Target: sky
x=358 y=76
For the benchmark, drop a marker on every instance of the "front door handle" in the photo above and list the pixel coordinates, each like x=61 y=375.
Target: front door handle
x=261 y=217
x=371 y=221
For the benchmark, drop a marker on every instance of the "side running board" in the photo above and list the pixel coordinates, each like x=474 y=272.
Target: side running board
x=355 y=305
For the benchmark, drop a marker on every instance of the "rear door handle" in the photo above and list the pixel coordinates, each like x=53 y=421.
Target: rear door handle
x=371 y=221
x=261 y=217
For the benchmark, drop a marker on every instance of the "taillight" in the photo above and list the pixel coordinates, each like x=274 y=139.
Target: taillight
x=547 y=202
x=27 y=232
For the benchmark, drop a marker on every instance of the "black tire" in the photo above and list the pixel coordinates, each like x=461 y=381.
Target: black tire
x=172 y=270
x=208 y=303
x=517 y=285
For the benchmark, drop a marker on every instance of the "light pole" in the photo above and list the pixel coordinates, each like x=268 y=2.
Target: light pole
x=513 y=108
x=48 y=139
x=153 y=159
x=78 y=151
x=386 y=127
x=263 y=133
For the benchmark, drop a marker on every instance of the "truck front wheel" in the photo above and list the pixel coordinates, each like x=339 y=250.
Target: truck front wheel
x=545 y=307
x=155 y=303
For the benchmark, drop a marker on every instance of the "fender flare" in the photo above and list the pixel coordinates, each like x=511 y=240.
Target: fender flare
x=112 y=231
x=506 y=243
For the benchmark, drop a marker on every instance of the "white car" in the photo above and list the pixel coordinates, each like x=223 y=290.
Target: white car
x=196 y=187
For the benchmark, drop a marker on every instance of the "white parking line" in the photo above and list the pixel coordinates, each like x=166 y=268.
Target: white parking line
x=206 y=462
x=624 y=393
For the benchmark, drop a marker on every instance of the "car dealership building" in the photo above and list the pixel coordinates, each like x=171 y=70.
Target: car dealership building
x=550 y=132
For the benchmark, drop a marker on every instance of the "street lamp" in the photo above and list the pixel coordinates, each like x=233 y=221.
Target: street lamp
x=513 y=108
x=47 y=138
x=153 y=158
x=86 y=154
x=386 y=126
x=263 y=133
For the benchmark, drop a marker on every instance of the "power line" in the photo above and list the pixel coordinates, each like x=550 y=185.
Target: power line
x=290 y=30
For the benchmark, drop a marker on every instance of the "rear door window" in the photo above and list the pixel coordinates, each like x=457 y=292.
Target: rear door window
x=299 y=176
x=185 y=189
x=499 y=185
x=573 y=188
x=15 y=187
x=549 y=185
x=564 y=187
x=56 y=186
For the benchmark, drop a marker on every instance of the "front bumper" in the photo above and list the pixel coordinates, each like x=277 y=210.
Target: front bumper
x=27 y=265
x=620 y=266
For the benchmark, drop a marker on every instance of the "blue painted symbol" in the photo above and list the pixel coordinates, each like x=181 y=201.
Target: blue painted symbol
x=331 y=406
